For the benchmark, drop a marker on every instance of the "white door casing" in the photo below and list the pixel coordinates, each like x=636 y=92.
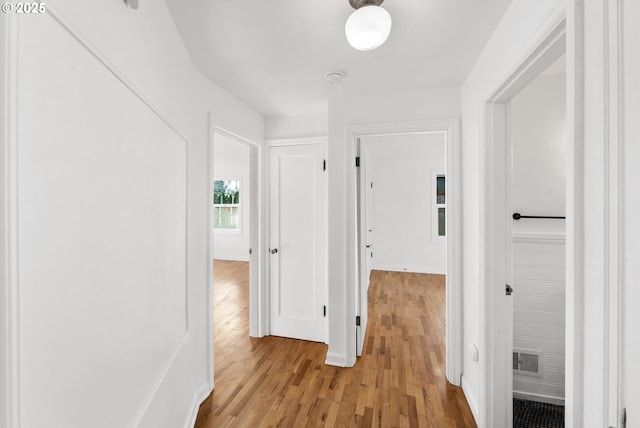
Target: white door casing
x=297 y=241
x=629 y=375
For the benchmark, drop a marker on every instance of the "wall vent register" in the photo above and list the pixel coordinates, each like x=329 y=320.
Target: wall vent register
x=528 y=363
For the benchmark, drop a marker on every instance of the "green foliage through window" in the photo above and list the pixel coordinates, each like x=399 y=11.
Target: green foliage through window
x=441 y=190
x=226 y=192
x=226 y=204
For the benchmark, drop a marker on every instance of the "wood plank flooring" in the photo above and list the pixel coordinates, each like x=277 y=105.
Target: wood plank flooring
x=398 y=382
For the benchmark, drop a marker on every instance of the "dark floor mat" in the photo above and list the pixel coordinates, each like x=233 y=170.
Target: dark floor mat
x=531 y=414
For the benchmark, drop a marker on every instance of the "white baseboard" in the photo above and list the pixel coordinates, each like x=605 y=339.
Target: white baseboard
x=539 y=398
x=412 y=269
x=200 y=396
x=231 y=258
x=473 y=405
x=338 y=360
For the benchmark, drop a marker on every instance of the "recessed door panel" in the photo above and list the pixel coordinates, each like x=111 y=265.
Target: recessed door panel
x=297 y=250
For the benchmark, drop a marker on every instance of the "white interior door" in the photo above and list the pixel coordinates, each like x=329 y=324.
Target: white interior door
x=365 y=247
x=297 y=237
x=368 y=217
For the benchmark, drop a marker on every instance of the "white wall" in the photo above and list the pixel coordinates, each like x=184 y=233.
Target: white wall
x=539 y=153
x=345 y=112
x=539 y=313
x=231 y=161
x=403 y=169
x=129 y=336
x=504 y=51
x=304 y=126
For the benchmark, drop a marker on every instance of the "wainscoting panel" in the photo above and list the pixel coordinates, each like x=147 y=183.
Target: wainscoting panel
x=102 y=236
x=539 y=313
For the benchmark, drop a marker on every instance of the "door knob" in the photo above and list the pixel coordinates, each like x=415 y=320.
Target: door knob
x=274 y=251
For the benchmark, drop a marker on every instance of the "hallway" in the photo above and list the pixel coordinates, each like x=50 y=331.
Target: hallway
x=274 y=381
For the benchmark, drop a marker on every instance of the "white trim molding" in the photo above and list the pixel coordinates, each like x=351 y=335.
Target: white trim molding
x=296 y=141
x=597 y=269
x=9 y=288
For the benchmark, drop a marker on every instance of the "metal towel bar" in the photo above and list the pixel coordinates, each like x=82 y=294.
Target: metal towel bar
x=518 y=216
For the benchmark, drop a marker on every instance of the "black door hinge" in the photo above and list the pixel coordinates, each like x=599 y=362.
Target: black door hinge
x=623 y=418
x=357 y=320
x=324 y=164
x=324 y=310
x=358 y=161
x=508 y=290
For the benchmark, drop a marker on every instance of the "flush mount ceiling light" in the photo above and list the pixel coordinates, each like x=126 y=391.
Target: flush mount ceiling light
x=369 y=26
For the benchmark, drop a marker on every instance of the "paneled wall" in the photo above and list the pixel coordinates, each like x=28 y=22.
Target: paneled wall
x=108 y=318
x=539 y=312
x=102 y=225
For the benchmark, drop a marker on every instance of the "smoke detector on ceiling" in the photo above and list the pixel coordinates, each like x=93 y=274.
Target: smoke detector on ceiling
x=334 y=77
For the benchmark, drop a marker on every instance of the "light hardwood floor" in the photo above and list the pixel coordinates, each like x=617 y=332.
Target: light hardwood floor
x=398 y=382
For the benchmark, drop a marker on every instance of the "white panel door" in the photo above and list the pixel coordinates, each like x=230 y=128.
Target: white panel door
x=364 y=252
x=297 y=237
x=368 y=220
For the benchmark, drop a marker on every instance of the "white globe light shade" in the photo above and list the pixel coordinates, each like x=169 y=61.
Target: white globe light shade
x=368 y=27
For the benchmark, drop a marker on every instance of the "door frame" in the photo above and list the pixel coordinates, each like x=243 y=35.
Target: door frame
x=257 y=325
x=451 y=128
x=496 y=330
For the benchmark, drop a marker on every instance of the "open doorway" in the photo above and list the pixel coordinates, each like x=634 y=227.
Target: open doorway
x=447 y=172
x=402 y=209
x=231 y=232
x=538 y=125
x=234 y=236
x=523 y=269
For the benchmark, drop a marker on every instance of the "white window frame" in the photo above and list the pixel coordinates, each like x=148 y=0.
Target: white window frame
x=434 y=203
x=237 y=231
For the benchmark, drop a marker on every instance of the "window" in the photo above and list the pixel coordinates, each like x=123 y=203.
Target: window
x=440 y=204
x=226 y=205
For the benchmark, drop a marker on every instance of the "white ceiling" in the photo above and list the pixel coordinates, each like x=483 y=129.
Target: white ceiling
x=274 y=54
